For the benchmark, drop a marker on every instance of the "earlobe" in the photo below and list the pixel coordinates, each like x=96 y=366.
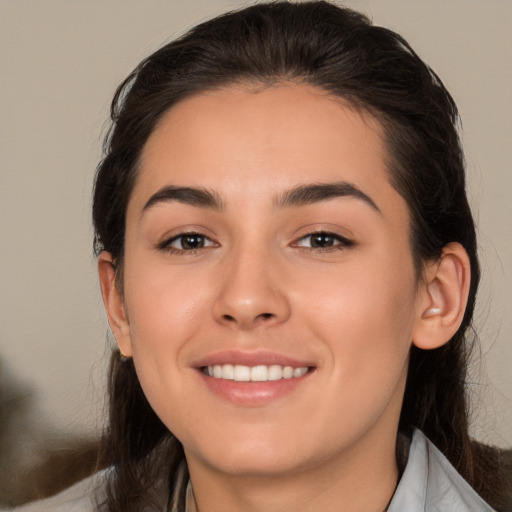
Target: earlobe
x=443 y=298
x=114 y=304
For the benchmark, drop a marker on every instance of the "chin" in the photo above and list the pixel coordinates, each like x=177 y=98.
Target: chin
x=256 y=457
x=269 y=465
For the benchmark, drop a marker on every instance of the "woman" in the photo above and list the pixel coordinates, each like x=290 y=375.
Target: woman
x=288 y=264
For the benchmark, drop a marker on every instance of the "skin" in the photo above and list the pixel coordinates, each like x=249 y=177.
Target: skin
x=349 y=311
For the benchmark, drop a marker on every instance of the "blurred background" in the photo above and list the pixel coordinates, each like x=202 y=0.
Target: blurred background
x=60 y=62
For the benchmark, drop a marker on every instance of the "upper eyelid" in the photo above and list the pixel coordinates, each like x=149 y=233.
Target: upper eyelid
x=188 y=233
x=339 y=236
x=183 y=231
x=166 y=242
x=324 y=232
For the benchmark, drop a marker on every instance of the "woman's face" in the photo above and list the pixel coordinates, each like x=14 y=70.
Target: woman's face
x=264 y=241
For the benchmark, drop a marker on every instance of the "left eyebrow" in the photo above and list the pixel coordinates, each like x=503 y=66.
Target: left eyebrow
x=199 y=197
x=317 y=192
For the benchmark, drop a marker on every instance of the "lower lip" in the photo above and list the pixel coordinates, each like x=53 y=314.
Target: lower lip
x=253 y=394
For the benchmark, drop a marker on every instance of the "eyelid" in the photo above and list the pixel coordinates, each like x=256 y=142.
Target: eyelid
x=166 y=244
x=342 y=241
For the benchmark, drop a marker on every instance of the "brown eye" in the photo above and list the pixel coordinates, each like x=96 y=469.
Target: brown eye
x=191 y=241
x=321 y=240
x=187 y=242
x=324 y=240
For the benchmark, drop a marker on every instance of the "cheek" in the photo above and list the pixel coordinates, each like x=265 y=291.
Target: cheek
x=164 y=304
x=162 y=322
x=165 y=312
x=363 y=291
x=365 y=315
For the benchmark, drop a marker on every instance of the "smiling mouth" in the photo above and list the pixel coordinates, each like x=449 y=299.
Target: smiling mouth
x=259 y=373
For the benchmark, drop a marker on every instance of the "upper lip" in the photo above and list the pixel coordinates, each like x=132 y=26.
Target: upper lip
x=250 y=358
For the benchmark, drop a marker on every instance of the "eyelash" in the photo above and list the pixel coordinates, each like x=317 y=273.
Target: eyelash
x=339 y=242
x=166 y=245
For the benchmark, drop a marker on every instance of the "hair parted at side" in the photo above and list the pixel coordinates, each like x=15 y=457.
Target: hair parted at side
x=374 y=69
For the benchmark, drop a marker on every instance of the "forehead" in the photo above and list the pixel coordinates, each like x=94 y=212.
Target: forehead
x=249 y=142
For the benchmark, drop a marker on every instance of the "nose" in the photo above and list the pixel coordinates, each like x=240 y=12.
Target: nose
x=251 y=294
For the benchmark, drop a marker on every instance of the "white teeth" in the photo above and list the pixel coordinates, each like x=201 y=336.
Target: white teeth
x=260 y=373
x=299 y=372
x=228 y=371
x=287 y=372
x=275 y=372
x=242 y=373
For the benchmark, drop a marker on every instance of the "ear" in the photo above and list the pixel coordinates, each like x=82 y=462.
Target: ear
x=442 y=298
x=114 y=304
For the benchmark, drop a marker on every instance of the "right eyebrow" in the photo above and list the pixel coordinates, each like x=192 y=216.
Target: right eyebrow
x=194 y=196
x=317 y=192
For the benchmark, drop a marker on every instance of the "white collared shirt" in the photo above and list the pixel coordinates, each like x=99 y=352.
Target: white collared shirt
x=431 y=484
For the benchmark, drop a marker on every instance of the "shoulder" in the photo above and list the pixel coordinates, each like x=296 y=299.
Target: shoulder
x=430 y=483
x=84 y=496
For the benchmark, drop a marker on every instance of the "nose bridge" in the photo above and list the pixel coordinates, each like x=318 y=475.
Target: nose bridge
x=251 y=293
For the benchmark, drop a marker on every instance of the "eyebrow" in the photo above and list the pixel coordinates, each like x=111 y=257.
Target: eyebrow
x=317 y=192
x=194 y=196
x=298 y=196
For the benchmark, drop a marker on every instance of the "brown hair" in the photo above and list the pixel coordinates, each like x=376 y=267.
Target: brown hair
x=375 y=69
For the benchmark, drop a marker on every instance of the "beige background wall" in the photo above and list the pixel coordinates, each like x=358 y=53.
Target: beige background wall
x=60 y=62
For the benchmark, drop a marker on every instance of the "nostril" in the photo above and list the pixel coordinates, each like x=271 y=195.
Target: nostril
x=229 y=318
x=266 y=316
